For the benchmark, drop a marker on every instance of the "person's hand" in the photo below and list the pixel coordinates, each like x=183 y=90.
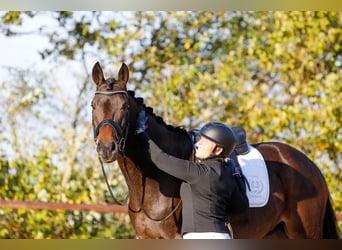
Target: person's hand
x=141 y=122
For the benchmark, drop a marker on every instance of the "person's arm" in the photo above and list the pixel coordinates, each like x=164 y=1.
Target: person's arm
x=182 y=169
x=239 y=198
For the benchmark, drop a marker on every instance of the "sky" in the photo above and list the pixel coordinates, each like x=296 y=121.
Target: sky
x=19 y=51
x=22 y=52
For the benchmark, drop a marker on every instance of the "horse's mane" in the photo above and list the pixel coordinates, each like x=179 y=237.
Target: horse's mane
x=159 y=120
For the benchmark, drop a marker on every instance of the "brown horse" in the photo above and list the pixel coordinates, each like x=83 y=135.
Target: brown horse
x=299 y=204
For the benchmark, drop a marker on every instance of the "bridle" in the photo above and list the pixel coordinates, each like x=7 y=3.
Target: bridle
x=121 y=134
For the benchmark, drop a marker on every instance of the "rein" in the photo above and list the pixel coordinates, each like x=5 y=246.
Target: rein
x=119 y=133
x=121 y=203
x=140 y=202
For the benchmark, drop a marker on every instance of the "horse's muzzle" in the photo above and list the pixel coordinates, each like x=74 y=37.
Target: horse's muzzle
x=107 y=152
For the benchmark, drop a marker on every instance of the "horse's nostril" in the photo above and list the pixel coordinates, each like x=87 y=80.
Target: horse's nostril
x=100 y=145
x=106 y=147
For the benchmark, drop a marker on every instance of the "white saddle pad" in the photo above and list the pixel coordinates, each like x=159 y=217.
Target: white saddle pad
x=254 y=168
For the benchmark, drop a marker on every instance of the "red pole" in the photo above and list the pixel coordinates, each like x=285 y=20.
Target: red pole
x=79 y=207
x=339 y=216
x=63 y=206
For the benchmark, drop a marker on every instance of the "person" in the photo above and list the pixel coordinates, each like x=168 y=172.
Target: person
x=210 y=185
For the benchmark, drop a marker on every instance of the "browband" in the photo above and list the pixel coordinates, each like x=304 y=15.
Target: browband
x=111 y=92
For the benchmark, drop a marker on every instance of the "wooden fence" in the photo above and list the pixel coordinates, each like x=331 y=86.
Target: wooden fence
x=80 y=207
x=63 y=206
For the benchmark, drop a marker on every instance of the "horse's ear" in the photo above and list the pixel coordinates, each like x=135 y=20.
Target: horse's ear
x=97 y=74
x=123 y=74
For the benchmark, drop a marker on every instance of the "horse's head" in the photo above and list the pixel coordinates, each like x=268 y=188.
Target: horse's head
x=110 y=112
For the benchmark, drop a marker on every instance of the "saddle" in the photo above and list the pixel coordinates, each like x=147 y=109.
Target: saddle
x=241 y=147
x=251 y=162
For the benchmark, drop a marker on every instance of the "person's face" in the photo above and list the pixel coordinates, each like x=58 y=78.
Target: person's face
x=204 y=147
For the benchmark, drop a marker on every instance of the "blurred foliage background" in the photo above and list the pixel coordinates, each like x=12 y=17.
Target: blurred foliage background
x=278 y=74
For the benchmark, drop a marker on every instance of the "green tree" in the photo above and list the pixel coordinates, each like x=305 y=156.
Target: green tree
x=40 y=180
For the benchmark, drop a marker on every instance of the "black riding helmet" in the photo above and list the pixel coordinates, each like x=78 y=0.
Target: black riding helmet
x=221 y=134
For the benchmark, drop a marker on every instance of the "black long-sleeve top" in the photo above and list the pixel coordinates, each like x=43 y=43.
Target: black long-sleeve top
x=208 y=191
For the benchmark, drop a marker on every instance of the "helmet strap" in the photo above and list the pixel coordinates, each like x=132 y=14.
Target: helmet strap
x=216 y=149
x=213 y=154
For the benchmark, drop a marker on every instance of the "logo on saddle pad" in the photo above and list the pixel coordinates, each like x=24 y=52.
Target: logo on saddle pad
x=256 y=185
x=254 y=168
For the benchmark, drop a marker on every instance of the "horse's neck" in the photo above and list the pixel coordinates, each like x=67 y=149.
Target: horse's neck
x=171 y=141
x=138 y=166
